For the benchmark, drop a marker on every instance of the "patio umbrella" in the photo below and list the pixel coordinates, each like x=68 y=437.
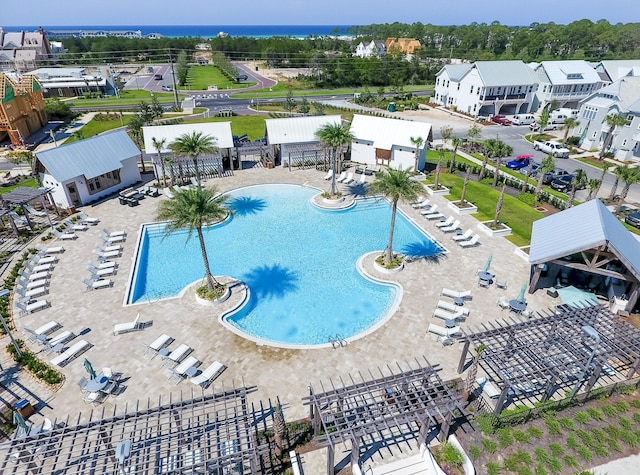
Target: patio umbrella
x=23 y=428
x=521 y=294
x=488 y=264
x=89 y=368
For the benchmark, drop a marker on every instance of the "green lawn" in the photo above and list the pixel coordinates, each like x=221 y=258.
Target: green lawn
x=95 y=127
x=200 y=77
x=128 y=97
x=30 y=183
x=251 y=125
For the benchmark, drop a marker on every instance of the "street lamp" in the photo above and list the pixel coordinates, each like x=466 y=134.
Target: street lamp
x=591 y=332
x=5 y=293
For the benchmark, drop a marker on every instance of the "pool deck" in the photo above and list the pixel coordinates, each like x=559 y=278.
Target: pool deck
x=282 y=373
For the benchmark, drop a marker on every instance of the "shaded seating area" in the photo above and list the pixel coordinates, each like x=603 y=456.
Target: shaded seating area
x=569 y=351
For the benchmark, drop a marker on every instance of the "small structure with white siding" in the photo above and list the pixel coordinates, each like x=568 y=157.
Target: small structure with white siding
x=294 y=139
x=84 y=171
x=383 y=141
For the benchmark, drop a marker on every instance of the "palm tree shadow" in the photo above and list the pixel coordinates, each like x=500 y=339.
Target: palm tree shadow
x=271 y=281
x=244 y=205
x=358 y=190
x=422 y=250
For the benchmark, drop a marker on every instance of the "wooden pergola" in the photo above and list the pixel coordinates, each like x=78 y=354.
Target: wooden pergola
x=213 y=433
x=571 y=348
x=399 y=399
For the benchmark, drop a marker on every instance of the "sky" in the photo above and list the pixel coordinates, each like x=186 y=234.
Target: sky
x=310 y=12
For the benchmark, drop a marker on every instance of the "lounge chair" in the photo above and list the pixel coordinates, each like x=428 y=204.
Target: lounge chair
x=463 y=237
x=108 y=240
x=111 y=248
x=442 y=331
x=177 y=355
x=423 y=202
x=35 y=292
x=34 y=269
x=50 y=250
x=168 y=193
x=87 y=220
x=153 y=192
x=42 y=258
x=362 y=179
x=503 y=303
x=64 y=237
x=432 y=210
x=103 y=265
x=60 y=338
x=342 y=177
x=33 y=306
x=471 y=242
x=18 y=219
x=106 y=255
x=434 y=216
x=178 y=373
x=348 y=179
x=31 y=284
x=465 y=294
x=71 y=353
x=97 y=284
x=447 y=222
x=35 y=212
x=101 y=272
x=76 y=226
x=157 y=344
x=445 y=315
x=209 y=374
x=451 y=228
x=34 y=276
x=113 y=233
x=452 y=307
x=47 y=328
x=126 y=327
x=329 y=174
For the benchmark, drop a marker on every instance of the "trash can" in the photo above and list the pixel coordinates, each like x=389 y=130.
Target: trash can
x=256 y=68
x=24 y=408
x=392 y=107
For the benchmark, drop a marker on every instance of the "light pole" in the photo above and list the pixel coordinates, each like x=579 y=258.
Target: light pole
x=591 y=332
x=6 y=293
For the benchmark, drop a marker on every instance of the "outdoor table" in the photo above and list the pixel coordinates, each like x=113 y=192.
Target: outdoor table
x=449 y=323
x=517 y=305
x=164 y=352
x=191 y=372
x=484 y=275
x=459 y=231
x=42 y=339
x=58 y=348
x=458 y=301
x=443 y=218
x=96 y=384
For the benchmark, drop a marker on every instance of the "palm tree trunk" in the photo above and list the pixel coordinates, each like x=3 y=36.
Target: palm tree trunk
x=571 y=197
x=162 y=168
x=607 y=140
x=453 y=159
x=602 y=175
x=333 y=175
x=195 y=164
x=499 y=205
x=464 y=185
x=614 y=188
x=496 y=172
x=211 y=281
x=623 y=196
x=484 y=167
x=389 y=253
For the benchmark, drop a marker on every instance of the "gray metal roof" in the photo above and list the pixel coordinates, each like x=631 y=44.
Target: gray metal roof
x=298 y=129
x=505 y=73
x=560 y=72
x=385 y=132
x=457 y=71
x=90 y=157
x=580 y=228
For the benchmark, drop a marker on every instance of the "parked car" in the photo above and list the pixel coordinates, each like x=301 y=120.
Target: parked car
x=553 y=174
x=534 y=169
x=522 y=161
x=633 y=219
x=500 y=119
x=535 y=126
x=564 y=183
x=523 y=119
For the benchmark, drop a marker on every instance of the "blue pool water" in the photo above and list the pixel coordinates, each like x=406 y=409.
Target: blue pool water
x=298 y=261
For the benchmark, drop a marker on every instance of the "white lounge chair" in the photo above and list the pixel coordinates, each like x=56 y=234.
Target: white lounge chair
x=113 y=233
x=87 y=220
x=71 y=353
x=432 y=210
x=329 y=174
x=126 y=327
x=27 y=284
x=31 y=210
x=362 y=180
x=34 y=269
x=445 y=315
x=64 y=237
x=101 y=272
x=42 y=258
x=465 y=294
x=423 y=202
x=209 y=374
x=463 y=237
x=434 y=216
x=108 y=240
x=342 y=177
x=75 y=226
x=114 y=247
x=451 y=228
x=60 y=338
x=442 y=331
x=97 y=284
x=471 y=242
x=168 y=193
x=33 y=306
x=103 y=265
x=35 y=292
x=157 y=344
x=50 y=249
x=180 y=372
x=177 y=355
x=106 y=255
x=444 y=224
x=18 y=219
x=349 y=178
x=452 y=307
x=47 y=328
x=34 y=276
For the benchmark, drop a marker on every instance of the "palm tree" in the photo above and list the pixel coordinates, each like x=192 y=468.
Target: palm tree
x=593 y=185
x=499 y=205
x=158 y=144
x=474 y=133
x=579 y=180
x=437 y=177
x=547 y=166
x=456 y=142
x=569 y=123
x=464 y=185
x=193 y=145
x=417 y=143
x=192 y=209
x=542 y=122
x=169 y=163
x=334 y=136
x=613 y=121
x=499 y=150
x=135 y=128
x=395 y=185
x=631 y=176
x=618 y=172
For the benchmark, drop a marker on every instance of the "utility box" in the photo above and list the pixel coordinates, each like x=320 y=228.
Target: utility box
x=392 y=107
x=24 y=408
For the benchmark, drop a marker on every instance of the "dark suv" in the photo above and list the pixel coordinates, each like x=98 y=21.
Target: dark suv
x=552 y=175
x=633 y=219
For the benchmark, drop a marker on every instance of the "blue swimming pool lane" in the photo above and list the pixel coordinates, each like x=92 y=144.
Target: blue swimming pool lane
x=298 y=261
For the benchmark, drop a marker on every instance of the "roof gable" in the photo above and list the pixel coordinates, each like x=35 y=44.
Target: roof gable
x=298 y=129
x=385 y=132
x=570 y=72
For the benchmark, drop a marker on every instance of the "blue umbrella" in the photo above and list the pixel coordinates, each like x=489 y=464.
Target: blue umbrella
x=488 y=264
x=89 y=368
x=23 y=428
x=522 y=291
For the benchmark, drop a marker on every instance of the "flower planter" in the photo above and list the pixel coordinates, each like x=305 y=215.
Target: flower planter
x=485 y=227
x=333 y=201
x=418 y=177
x=469 y=208
x=441 y=191
x=384 y=270
x=213 y=303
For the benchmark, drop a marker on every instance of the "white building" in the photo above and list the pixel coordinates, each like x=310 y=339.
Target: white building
x=293 y=140
x=486 y=87
x=85 y=171
x=611 y=70
x=371 y=49
x=565 y=82
x=387 y=142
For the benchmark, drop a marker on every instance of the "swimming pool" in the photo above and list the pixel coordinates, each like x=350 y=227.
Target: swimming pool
x=297 y=260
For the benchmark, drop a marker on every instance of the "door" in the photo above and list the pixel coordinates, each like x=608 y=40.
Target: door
x=74 y=197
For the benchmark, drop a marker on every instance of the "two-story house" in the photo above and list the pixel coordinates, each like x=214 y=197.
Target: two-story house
x=610 y=70
x=486 y=87
x=402 y=45
x=621 y=97
x=371 y=49
x=19 y=50
x=565 y=82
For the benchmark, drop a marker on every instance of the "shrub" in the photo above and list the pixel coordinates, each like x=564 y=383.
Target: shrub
x=535 y=432
x=527 y=198
x=492 y=468
x=599 y=435
x=600 y=451
x=622 y=406
x=613 y=431
x=556 y=449
x=595 y=414
x=625 y=423
x=636 y=417
x=570 y=461
x=609 y=410
x=614 y=445
x=505 y=438
x=554 y=464
x=540 y=470
x=38 y=368
x=553 y=426
x=572 y=442
x=489 y=445
x=566 y=423
x=586 y=437
x=635 y=403
x=521 y=436
x=541 y=454
x=475 y=452
x=582 y=417
x=451 y=454
x=585 y=454
x=486 y=423
x=204 y=293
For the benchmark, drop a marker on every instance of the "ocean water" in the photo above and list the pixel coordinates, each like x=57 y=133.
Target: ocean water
x=208 y=31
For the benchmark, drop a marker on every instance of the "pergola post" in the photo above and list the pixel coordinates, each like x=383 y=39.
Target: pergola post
x=592 y=380
x=444 y=428
x=501 y=400
x=463 y=356
x=633 y=296
x=330 y=460
x=423 y=432
x=548 y=390
x=535 y=278
x=633 y=369
x=355 y=450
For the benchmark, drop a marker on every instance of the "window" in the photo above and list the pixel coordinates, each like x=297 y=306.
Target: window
x=458 y=87
x=624 y=143
x=105 y=181
x=629 y=118
x=593 y=135
x=471 y=92
x=589 y=113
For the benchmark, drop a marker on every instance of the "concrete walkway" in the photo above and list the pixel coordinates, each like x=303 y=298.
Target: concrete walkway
x=624 y=466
